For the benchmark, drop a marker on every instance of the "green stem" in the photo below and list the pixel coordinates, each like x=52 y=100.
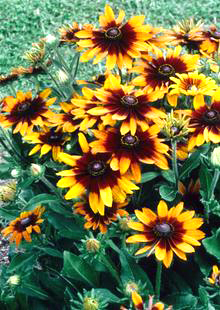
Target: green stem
x=120 y=74
x=109 y=265
x=76 y=67
x=62 y=61
x=52 y=188
x=54 y=80
x=158 y=279
x=174 y=162
x=214 y=183
x=12 y=89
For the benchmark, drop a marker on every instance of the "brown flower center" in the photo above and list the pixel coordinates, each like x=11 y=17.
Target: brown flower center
x=113 y=33
x=23 y=107
x=129 y=140
x=97 y=167
x=129 y=100
x=166 y=70
x=25 y=221
x=216 y=34
x=211 y=116
x=163 y=229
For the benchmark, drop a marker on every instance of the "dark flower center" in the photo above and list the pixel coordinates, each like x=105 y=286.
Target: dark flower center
x=216 y=34
x=97 y=167
x=166 y=70
x=211 y=116
x=23 y=107
x=25 y=221
x=129 y=140
x=217 y=280
x=129 y=100
x=113 y=33
x=186 y=36
x=163 y=229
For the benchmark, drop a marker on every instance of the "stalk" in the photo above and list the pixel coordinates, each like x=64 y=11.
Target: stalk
x=158 y=279
x=174 y=162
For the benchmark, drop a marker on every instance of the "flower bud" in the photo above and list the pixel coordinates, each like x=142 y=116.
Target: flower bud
x=36 y=170
x=15 y=173
x=123 y=223
x=8 y=191
x=92 y=245
x=215 y=157
x=14 y=280
x=62 y=76
x=131 y=287
x=90 y=304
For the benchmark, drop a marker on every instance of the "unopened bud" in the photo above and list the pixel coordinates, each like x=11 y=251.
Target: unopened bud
x=90 y=304
x=123 y=223
x=14 y=280
x=8 y=191
x=36 y=170
x=15 y=173
x=131 y=287
x=62 y=76
x=215 y=157
x=92 y=245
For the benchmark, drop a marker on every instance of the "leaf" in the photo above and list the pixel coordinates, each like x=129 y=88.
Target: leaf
x=167 y=192
x=211 y=244
x=39 y=200
x=22 y=261
x=50 y=251
x=148 y=176
x=33 y=290
x=106 y=295
x=182 y=301
x=77 y=268
x=205 y=177
x=67 y=227
x=26 y=182
x=168 y=175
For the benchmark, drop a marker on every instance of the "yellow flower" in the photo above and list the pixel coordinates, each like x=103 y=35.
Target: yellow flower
x=215 y=278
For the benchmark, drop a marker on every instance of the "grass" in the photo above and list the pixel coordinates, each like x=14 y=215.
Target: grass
x=26 y=21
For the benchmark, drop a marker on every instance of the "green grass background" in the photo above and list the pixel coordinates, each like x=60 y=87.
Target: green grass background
x=25 y=21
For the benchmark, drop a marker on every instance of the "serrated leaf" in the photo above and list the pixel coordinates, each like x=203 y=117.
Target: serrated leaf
x=148 y=176
x=77 y=268
x=211 y=244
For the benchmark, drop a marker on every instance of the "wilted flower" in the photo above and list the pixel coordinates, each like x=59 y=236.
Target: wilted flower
x=8 y=191
x=36 y=53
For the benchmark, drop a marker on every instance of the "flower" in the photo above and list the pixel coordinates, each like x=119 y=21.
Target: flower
x=66 y=121
x=215 y=277
x=25 y=112
x=122 y=103
x=22 y=227
x=97 y=220
x=175 y=126
x=191 y=196
x=139 y=304
x=156 y=73
x=190 y=84
x=46 y=140
x=186 y=33
x=204 y=122
x=167 y=232
x=211 y=40
x=128 y=151
x=37 y=53
x=94 y=174
x=119 y=42
x=68 y=33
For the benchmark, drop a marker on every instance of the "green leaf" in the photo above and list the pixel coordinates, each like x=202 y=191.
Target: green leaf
x=77 y=268
x=167 y=192
x=26 y=182
x=39 y=200
x=67 y=227
x=211 y=244
x=182 y=301
x=168 y=175
x=205 y=177
x=22 y=261
x=50 y=251
x=33 y=290
x=106 y=295
x=148 y=176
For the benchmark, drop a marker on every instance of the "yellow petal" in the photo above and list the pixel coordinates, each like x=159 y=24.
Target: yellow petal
x=162 y=209
x=83 y=142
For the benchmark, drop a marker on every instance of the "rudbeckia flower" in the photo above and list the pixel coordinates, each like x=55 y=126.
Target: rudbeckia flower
x=23 y=226
x=92 y=173
x=119 y=42
x=167 y=232
x=211 y=40
x=215 y=278
x=68 y=33
x=140 y=305
x=128 y=151
x=97 y=220
x=204 y=122
x=46 y=140
x=156 y=73
x=190 y=84
x=25 y=112
x=123 y=103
